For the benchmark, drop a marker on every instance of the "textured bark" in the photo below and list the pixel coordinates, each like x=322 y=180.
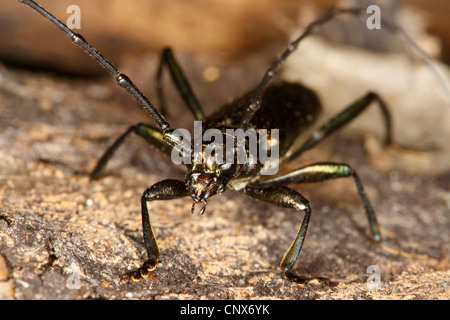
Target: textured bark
x=63 y=236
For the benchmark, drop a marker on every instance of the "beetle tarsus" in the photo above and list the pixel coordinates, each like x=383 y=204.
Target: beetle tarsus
x=142 y=272
x=302 y=280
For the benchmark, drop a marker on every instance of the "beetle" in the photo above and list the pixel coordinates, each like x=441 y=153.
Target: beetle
x=289 y=108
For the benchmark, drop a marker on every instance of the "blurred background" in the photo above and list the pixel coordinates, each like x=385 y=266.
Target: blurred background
x=231 y=28
x=226 y=46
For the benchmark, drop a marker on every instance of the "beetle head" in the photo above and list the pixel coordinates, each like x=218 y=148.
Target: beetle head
x=208 y=178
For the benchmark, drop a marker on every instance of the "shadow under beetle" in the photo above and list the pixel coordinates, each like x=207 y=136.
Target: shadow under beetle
x=288 y=107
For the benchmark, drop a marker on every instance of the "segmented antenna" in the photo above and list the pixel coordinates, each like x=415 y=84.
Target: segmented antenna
x=121 y=78
x=255 y=102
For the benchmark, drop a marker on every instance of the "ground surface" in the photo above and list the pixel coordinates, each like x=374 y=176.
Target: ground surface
x=63 y=236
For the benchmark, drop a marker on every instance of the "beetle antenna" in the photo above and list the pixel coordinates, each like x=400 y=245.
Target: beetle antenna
x=255 y=101
x=121 y=78
x=276 y=65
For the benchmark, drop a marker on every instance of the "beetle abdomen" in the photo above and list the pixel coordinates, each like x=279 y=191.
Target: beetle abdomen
x=288 y=107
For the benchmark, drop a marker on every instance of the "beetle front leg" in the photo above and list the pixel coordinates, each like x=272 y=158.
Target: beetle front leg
x=163 y=190
x=288 y=198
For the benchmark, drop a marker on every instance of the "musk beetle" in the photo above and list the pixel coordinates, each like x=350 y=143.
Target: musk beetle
x=288 y=108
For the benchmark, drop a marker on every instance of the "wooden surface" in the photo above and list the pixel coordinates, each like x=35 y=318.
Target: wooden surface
x=63 y=236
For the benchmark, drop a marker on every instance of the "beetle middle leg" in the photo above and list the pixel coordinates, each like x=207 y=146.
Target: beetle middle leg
x=285 y=197
x=163 y=190
x=273 y=192
x=342 y=119
x=322 y=171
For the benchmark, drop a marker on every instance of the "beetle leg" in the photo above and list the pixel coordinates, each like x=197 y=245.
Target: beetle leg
x=182 y=84
x=343 y=118
x=152 y=135
x=322 y=171
x=163 y=190
x=285 y=197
